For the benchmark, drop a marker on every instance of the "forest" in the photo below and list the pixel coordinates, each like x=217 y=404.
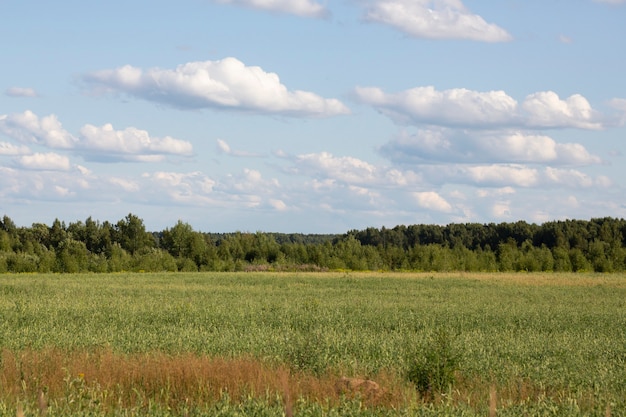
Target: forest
x=597 y=245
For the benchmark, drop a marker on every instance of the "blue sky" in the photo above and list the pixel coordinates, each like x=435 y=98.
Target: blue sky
x=313 y=116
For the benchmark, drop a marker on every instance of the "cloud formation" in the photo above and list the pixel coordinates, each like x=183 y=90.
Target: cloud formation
x=226 y=84
x=224 y=148
x=435 y=19
x=130 y=142
x=304 y=8
x=21 y=92
x=103 y=143
x=28 y=128
x=432 y=201
x=461 y=107
x=457 y=146
x=44 y=162
x=10 y=149
x=350 y=170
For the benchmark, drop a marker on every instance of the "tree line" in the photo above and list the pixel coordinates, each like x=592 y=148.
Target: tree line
x=92 y=246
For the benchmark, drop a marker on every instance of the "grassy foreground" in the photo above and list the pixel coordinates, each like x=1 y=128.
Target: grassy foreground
x=278 y=344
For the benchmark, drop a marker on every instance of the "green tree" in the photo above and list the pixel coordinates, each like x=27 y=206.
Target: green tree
x=57 y=233
x=132 y=234
x=72 y=256
x=177 y=240
x=8 y=225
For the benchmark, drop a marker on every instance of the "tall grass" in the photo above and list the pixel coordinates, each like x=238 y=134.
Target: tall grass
x=541 y=340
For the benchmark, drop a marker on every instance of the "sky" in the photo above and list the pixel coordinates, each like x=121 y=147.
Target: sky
x=312 y=116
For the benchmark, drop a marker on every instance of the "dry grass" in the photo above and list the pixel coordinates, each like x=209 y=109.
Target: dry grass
x=564 y=279
x=115 y=380
x=110 y=380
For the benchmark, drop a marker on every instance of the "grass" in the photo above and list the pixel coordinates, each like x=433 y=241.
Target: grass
x=148 y=343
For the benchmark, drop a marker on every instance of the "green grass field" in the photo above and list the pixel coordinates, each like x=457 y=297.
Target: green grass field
x=275 y=344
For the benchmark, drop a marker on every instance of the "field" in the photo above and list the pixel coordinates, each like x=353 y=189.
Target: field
x=269 y=344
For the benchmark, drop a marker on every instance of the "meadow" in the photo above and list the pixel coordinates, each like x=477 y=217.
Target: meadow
x=273 y=344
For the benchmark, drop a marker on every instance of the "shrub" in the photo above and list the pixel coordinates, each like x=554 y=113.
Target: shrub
x=434 y=369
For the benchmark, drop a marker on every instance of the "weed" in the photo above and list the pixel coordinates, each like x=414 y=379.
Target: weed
x=433 y=371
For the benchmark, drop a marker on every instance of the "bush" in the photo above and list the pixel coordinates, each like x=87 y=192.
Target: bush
x=306 y=353
x=434 y=369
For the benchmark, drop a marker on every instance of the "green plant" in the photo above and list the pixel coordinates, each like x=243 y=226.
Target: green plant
x=434 y=370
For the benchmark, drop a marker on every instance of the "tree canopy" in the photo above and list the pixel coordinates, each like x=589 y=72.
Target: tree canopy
x=92 y=246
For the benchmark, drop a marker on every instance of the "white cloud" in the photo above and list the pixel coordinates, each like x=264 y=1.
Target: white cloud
x=223 y=84
x=249 y=183
x=248 y=189
x=574 y=179
x=125 y=184
x=44 y=161
x=304 y=8
x=346 y=169
x=502 y=175
x=193 y=188
x=352 y=171
x=432 y=201
x=455 y=107
x=613 y=2
x=62 y=191
x=495 y=192
x=224 y=147
x=435 y=19
x=520 y=147
x=131 y=141
x=102 y=143
x=10 y=149
x=545 y=110
x=437 y=145
x=460 y=107
x=21 y=92
x=278 y=204
x=29 y=128
x=501 y=209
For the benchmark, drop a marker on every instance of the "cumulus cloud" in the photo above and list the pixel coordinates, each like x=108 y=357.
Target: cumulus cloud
x=130 y=142
x=545 y=110
x=502 y=175
x=103 y=143
x=10 y=149
x=126 y=185
x=350 y=170
x=346 y=169
x=460 y=107
x=501 y=209
x=304 y=8
x=27 y=127
x=455 y=107
x=47 y=177
x=21 y=92
x=506 y=178
x=224 y=148
x=192 y=188
x=574 y=179
x=248 y=189
x=435 y=19
x=44 y=162
x=432 y=201
x=439 y=145
x=495 y=192
x=226 y=84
